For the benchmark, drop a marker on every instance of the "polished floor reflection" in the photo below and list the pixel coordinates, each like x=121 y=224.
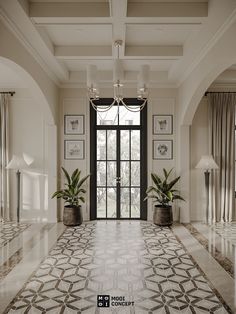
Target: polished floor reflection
x=161 y=270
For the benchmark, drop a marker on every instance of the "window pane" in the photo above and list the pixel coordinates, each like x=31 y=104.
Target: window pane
x=111 y=145
x=124 y=145
x=128 y=117
x=101 y=203
x=111 y=202
x=111 y=173
x=101 y=145
x=124 y=173
x=135 y=173
x=124 y=202
x=109 y=117
x=101 y=173
x=135 y=144
x=135 y=203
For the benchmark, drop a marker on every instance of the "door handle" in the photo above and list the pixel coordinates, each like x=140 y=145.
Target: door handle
x=118 y=179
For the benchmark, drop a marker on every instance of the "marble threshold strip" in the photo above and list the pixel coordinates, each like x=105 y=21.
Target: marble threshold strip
x=221 y=281
x=36 y=249
x=216 y=254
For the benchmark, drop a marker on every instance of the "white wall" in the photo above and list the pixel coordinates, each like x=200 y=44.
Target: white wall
x=199 y=146
x=73 y=101
x=32 y=133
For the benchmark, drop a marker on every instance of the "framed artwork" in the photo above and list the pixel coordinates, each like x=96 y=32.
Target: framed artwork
x=162 y=149
x=74 y=149
x=162 y=124
x=74 y=124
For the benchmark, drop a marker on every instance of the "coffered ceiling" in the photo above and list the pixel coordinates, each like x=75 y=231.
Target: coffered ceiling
x=66 y=36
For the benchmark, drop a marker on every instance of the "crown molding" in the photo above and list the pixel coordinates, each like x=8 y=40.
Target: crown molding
x=18 y=34
x=210 y=44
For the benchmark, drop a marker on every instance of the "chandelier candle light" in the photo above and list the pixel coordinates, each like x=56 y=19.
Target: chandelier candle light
x=118 y=77
x=207 y=163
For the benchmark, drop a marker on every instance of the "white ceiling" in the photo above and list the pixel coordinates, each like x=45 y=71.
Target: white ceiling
x=169 y=35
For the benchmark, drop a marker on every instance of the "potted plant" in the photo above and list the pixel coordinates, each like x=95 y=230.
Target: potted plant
x=73 y=195
x=163 y=193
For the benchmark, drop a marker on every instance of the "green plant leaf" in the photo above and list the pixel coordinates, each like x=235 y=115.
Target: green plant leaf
x=66 y=175
x=172 y=183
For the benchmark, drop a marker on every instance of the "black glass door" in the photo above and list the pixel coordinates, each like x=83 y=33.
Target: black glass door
x=118 y=164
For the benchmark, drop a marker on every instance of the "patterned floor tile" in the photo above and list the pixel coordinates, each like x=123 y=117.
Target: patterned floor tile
x=138 y=261
x=10 y=230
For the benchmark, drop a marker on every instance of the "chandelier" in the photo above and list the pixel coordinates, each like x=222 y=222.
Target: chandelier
x=118 y=99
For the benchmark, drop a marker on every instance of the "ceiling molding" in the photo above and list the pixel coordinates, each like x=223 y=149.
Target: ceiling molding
x=210 y=44
x=167 y=9
x=83 y=52
x=17 y=33
x=40 y=10
x=154 y=51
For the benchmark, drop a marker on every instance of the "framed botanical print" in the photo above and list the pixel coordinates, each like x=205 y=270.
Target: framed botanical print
x=74 y=149
x=162 y=149
x=74 y=124
x=162 y=124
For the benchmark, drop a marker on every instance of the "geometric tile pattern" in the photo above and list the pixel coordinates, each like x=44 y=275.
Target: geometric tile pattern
x=139 y=261
x=227 y=264
x=226 y=230
x=16 y=258
x=10 y=230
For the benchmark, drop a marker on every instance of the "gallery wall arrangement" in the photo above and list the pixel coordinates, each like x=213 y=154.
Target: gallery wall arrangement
x=162 y=147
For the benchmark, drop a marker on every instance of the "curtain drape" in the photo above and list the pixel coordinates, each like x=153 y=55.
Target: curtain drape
x=222 y=147
x=4 y=154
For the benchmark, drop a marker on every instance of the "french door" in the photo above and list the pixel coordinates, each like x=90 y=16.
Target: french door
x=118 y=164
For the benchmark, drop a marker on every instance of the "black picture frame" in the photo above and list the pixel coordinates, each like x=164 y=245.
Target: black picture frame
x=162 y=124
x=74 y=124
x=74 y=153
x=162 y=149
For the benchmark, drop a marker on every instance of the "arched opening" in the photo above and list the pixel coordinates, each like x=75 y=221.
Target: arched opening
x=32 y=131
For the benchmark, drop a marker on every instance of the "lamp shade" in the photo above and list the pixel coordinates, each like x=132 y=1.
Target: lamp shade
x=91 y=75
x=118 y=71
x=17 y=163
x=143 y=77
x=207 y=162
x=28 y=159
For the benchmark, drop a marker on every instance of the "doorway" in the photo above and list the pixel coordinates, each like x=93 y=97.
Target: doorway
x=118 y=140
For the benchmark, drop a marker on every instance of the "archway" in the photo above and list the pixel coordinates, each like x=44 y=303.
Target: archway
x=32 y=131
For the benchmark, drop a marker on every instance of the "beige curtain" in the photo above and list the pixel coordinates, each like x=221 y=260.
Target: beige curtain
x=4 y=153
x=222 y=146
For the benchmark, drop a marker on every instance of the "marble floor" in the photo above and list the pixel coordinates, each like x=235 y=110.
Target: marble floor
x=139 y=267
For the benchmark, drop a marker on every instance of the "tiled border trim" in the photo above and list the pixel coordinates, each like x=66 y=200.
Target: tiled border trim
x=24 y=227
x=215 y=253
x=18 y=255
x=227 y=308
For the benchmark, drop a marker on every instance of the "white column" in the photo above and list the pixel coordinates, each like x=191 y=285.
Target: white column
x=184 y=171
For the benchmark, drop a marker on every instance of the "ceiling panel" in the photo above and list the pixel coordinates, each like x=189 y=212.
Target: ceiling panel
x=159 y=34
x=81 y=65
x=80 y=34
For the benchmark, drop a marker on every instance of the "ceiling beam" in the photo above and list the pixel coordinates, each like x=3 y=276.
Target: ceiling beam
x=40 y=10
x=154 y=51
x=167 y=9
x=83 y=52
x=118 y=13
x=105 y=52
